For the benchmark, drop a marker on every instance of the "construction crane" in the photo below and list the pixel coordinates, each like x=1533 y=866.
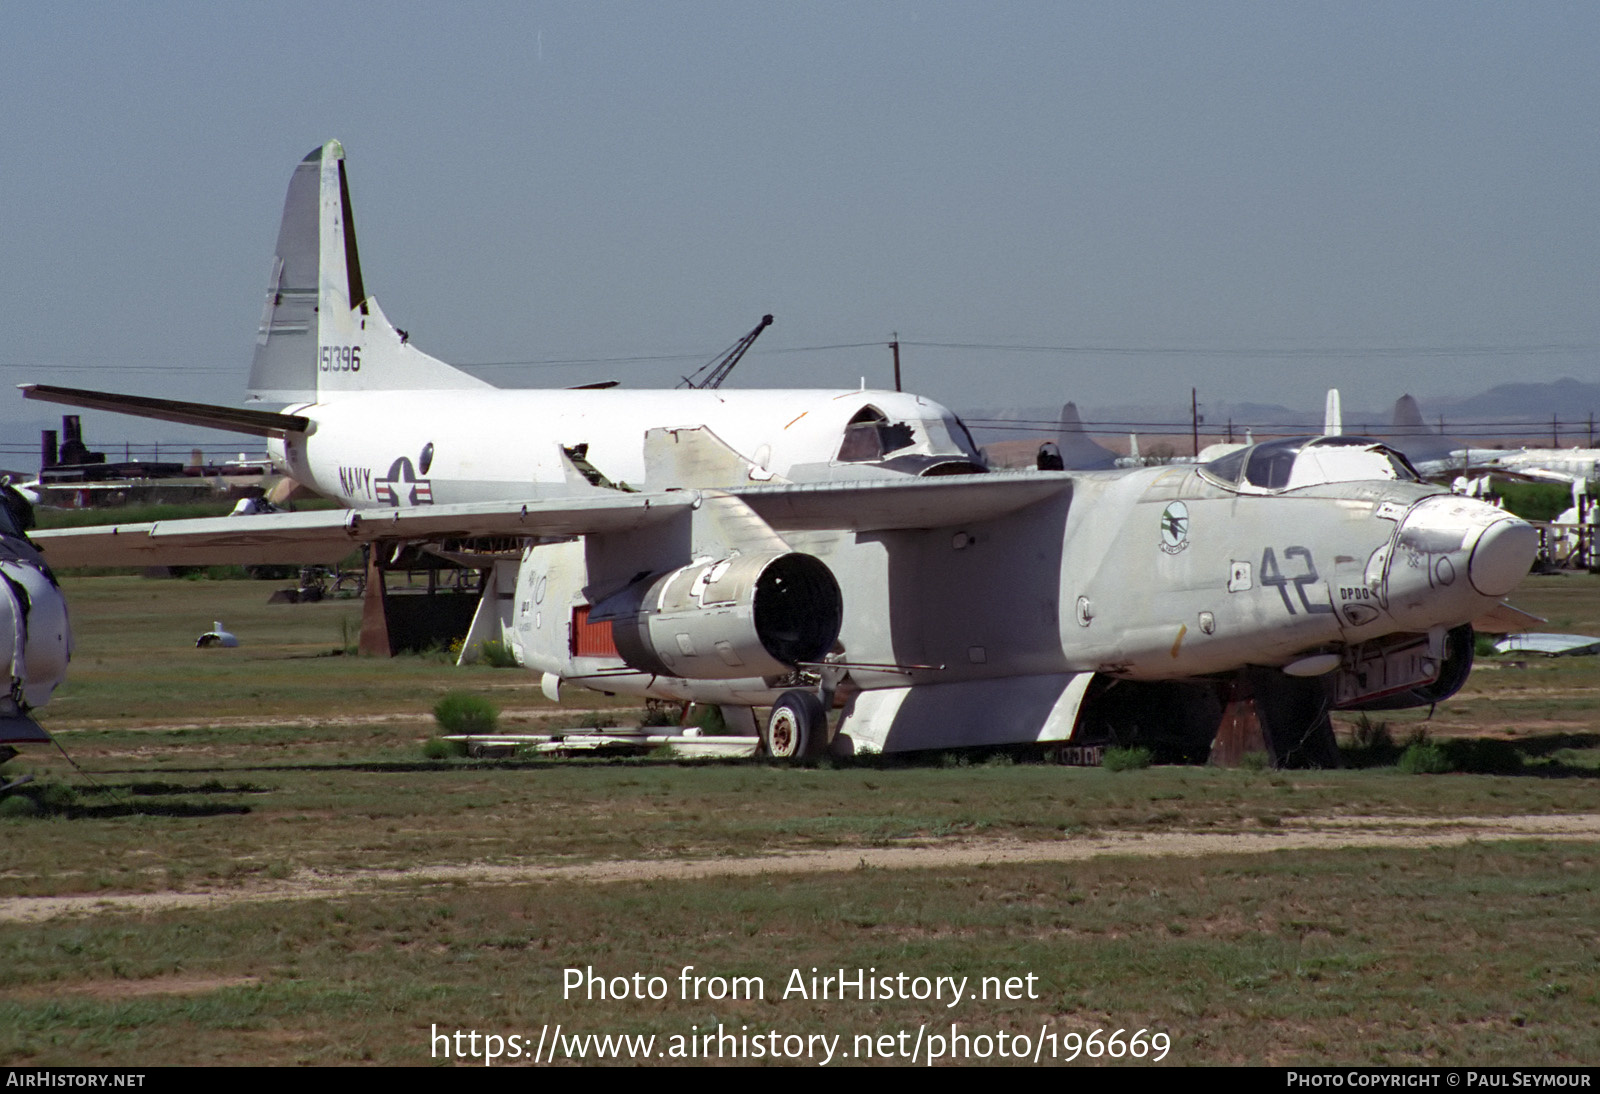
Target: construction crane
x=713 y=373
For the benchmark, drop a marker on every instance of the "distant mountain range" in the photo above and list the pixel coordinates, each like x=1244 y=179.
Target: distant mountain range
x=1532 y=405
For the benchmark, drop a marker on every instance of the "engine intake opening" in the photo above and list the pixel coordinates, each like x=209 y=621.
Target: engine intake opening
x=798 y=608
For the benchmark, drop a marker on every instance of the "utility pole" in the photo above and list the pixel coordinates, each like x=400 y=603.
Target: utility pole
x=1194 y=414
x=895 y=345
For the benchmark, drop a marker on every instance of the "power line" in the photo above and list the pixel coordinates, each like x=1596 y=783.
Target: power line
x=1085 y=349
x=1276 y=352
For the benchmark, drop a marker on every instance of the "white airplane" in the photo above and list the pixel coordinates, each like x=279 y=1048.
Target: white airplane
x=801 y=550
x=1568 y=465
x=374 y=422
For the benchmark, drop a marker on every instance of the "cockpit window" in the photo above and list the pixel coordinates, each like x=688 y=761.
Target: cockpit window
x=1270 y=465
x=872 y=436
x=963 y=437
x=1296 y=462
x=1227 y=468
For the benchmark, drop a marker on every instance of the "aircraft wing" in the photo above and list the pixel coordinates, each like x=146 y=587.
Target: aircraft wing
x=882 y=505
x=329 y=535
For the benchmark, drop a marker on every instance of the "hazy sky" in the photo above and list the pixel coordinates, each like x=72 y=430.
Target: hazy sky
x=1258 y=199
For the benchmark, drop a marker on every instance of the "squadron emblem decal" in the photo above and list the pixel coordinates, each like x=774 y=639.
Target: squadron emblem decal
x=1175 y=528
x=403 y=486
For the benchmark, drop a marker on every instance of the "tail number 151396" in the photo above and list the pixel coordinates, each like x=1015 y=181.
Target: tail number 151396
x=340 y=359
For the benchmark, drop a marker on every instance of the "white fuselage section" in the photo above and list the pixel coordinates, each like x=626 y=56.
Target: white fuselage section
x=404 y=448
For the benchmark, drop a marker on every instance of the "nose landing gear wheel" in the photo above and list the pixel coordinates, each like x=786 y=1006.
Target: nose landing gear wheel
x=797 y=728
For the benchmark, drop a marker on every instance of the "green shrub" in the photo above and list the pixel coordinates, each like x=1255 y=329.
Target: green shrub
x=436 y=748
x=1371 y=745
x=17 y=804
x=1126 y=759
x=48 y=798
x=709 y=718
x=498 y=655
x=659 y=715
x=1425 y=758
x=1534 y=500
x=53 y=797
x=466 y=713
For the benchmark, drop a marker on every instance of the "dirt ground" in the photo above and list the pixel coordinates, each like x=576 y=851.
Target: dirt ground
x=1301 y=834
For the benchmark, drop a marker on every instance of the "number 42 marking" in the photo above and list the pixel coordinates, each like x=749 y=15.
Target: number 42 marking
x=1272 y=575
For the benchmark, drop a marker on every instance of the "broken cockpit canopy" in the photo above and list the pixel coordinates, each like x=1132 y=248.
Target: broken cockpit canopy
x=1296 y=462
x=925 y=446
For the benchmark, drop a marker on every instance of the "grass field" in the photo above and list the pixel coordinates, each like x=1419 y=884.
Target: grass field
x=257 y=865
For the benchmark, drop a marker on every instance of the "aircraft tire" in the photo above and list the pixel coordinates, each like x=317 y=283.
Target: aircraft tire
x=797 y=728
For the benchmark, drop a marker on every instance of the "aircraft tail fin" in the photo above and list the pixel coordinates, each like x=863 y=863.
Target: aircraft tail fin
x=1408 y=416
x=1332 y=415
x=1079 y=450
x=320 y=332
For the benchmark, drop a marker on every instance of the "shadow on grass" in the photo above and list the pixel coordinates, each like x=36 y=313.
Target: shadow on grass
x=151 y=789
x=150 y=809
x=1533 y=757
x=1554 y=742
x=50 y=799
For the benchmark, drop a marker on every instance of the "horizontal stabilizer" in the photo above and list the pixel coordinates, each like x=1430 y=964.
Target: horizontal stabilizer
x=259 y=423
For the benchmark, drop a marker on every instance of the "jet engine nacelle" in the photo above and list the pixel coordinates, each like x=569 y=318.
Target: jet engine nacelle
x=738 y=617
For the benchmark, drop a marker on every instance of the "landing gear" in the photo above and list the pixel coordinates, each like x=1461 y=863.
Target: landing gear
x=797 y=728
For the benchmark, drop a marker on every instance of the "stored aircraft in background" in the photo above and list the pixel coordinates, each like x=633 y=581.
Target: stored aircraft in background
x=801 y=550
x=1436 y=455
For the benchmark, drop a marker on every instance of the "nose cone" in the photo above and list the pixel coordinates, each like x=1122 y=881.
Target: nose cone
x=1453 y=557
x=1502 y=556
